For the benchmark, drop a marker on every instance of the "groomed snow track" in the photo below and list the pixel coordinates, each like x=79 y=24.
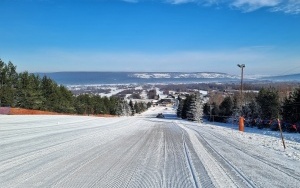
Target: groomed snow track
x=143 y=151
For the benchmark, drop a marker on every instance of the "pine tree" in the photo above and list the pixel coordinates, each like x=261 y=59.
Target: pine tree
x=132 y=108
x=8 y=84
x=180 y=107
x=268 y=100
x=195 y=108
x=226 y=107
x=123 y=108
x=126 y=109
x=215 y=112
x=254 y=109
x=206 y=109
x=291 y=107
x=137 y=108
x=186 y=104
x=29 y=93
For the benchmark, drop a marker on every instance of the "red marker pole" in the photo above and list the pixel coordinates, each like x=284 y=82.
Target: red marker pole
x=241 y=124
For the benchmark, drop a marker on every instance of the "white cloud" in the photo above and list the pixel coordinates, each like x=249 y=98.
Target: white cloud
x=251 y=5
x=286 y=6
x=289 y=7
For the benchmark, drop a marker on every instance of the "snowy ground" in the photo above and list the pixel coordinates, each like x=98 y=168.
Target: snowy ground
x=142 y=151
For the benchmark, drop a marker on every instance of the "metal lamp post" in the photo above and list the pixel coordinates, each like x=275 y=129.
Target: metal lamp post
x=241 y=122
x=242 y=66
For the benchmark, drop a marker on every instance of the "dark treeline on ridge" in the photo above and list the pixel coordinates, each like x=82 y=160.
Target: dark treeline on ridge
x=30 y=91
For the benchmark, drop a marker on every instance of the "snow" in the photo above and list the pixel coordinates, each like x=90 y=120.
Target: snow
x=183 y=75
x=152 y=75
x=203 y=92
x=142 y=151
x=114 y=91
x=144 y=94
x=263 y=137
x=205 y=75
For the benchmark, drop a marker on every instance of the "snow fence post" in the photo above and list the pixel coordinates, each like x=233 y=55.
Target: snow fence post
x=282 y=138
x=241 y=124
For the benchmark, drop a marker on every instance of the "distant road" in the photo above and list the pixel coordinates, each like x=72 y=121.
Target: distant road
x=141 y=151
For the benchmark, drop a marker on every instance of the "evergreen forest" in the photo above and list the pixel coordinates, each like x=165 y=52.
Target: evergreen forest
x=269 y=103
x=30 y=91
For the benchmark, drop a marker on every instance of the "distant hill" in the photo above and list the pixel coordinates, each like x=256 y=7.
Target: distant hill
x=91 y=78
x=88 y=78
x=286 y=78
x=158 y=75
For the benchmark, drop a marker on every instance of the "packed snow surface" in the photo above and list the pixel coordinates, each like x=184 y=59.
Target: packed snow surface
x=142 y=151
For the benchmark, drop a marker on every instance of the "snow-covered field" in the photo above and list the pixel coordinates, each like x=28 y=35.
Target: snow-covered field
x=142 y=151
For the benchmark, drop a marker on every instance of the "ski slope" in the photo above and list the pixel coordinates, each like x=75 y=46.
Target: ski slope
x=140 y=151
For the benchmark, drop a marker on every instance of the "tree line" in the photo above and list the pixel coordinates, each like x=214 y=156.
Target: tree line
x=30 y=91
x=268 y=103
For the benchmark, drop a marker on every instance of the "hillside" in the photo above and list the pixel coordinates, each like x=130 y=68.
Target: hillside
x=178 y=75
x=92 y=78
x=289 y=78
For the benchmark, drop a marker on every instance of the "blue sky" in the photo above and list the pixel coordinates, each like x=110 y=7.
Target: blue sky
x=152 y=35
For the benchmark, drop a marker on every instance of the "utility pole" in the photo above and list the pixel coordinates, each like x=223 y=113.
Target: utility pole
x=242 y=66
x=241 y=121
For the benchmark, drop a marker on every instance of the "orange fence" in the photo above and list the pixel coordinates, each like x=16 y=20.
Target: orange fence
x=22 y=111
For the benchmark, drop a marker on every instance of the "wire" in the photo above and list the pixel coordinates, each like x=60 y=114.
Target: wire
x=289 y=71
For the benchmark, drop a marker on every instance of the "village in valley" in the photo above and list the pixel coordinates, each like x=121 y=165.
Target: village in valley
x=215 y=102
